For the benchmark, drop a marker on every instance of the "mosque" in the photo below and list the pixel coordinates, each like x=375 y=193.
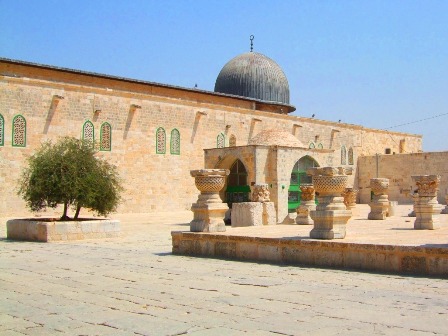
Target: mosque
x=156 y=133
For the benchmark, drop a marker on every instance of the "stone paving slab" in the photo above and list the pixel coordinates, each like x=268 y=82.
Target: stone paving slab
x=133 y=285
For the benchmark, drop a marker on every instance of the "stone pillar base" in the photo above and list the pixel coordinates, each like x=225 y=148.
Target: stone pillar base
x=208 y=217
x=427 y=217
x=329 y=224
x=303 y=213
x=253 y=214
x=379 y=207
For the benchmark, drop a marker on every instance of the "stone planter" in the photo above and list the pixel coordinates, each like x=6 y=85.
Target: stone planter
x=331 y=216
x=209 y=210
x=307 y=204
x=350 y=197
x=379 y=207
x=426 y=207
x=47 y=230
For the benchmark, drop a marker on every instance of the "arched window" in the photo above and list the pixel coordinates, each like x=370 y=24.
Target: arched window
x=220 y=141
x=88 y=132
x=175 y=142
x=232 y=141
x=237 y=189
x=343 y=155
x=320 y=146
x=106 y=137
x=160 y=141
x=2 y=130
x=312 y=145
x=350 y=156
x=19 y=131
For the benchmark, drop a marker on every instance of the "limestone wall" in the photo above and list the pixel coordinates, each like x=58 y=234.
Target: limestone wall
x=398 y=169
x=153 y=182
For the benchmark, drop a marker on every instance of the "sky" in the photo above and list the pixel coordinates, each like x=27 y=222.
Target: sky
x=379 y=64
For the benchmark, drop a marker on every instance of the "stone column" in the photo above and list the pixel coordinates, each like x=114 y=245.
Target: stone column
x=379 y=206
x=307 y=204
x=414 y=202
x=445 y=211
x=427 y=209
x=331 y=215
x=350 y=197
x=209 y=210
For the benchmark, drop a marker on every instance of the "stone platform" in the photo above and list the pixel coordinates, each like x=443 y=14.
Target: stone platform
x=390 y=245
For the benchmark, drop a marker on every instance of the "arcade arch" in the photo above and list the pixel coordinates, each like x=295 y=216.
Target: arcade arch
x=299 y=177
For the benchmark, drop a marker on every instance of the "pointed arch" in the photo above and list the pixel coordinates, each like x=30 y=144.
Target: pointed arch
x=2 y=130
x=175 y=142
x=299 y=177
x=237 y=189
x=88 y=132
x=350 y=156
x=106 y=137
x=343 y=155
x=19 y=131
x=160 y=141
x=220 y=141
x=312 y=145
x=232 y=140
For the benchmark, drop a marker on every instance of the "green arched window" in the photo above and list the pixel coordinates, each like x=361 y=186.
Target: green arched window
x=2 y=130
x=175 y=142
x=19 y=131
x=220 y=141
x=312 y=145
x=320 y=146
x=106 y=137
x=88 y=132
x=160 y=141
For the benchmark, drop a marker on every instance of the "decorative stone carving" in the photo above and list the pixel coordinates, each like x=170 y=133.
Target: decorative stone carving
x=260 y=193
x=307 y=203
x=331 y=216
x=350 y=197
x=209 y=210
x=445 y=211
x=379 y=207
x=427 y=209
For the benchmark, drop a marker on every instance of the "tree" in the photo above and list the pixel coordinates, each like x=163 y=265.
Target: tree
x=69 y=173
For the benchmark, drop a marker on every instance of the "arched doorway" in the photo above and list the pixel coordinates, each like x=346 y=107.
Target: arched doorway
x=299 y=177
x=237 y=188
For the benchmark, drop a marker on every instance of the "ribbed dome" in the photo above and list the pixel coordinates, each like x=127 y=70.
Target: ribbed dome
x=254 y=75
x=275 y=137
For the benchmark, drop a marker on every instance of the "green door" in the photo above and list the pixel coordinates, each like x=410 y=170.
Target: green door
x=237 y=188
x=299 y=177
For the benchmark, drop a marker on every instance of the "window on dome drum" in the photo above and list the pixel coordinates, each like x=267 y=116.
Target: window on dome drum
x=312 y=145
x=175 y=142
x=232 y=141
x=106 y=137
x=343 y=155
x=160 y=141
x=19 y=131
x=220 y=141
x=350 y=156
x=320 y=146
x=88 y=132
x=2 y=130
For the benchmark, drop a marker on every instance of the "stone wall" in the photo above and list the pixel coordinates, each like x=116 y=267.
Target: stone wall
x=398 y=169
x=135 y=110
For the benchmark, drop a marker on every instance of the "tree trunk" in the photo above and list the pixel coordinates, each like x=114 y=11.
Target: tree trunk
x=64 y=215
x=78 y=209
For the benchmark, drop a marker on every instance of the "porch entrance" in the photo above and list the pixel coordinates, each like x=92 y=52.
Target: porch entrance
x=299 y=177
x=237 y=188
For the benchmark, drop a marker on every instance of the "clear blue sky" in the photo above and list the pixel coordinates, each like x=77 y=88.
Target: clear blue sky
x=373 y=63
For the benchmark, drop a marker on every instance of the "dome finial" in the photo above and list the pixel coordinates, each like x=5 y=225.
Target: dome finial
x=252 y=43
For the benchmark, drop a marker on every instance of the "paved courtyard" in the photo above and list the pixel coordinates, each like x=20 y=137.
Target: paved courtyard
x=133 y=285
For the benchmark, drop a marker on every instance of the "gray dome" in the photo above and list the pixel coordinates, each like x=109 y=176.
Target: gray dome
x=254 y=75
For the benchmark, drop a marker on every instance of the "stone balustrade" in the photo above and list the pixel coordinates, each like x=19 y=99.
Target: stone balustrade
x=426 y=207
x=379 y=206
x=331 y=215
x=209 y=210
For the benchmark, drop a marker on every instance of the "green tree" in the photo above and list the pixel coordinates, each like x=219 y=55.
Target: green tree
x=69 y=173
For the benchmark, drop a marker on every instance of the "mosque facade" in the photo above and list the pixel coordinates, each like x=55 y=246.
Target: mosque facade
x=157 y=133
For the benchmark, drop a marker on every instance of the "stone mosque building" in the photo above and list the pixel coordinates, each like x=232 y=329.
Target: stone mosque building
x=156 y=133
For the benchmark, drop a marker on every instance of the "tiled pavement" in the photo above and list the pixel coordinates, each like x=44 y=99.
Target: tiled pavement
x=133 y=286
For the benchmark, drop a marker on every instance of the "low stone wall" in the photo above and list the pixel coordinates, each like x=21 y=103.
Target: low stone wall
x=371 y=257
x=46 y=231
